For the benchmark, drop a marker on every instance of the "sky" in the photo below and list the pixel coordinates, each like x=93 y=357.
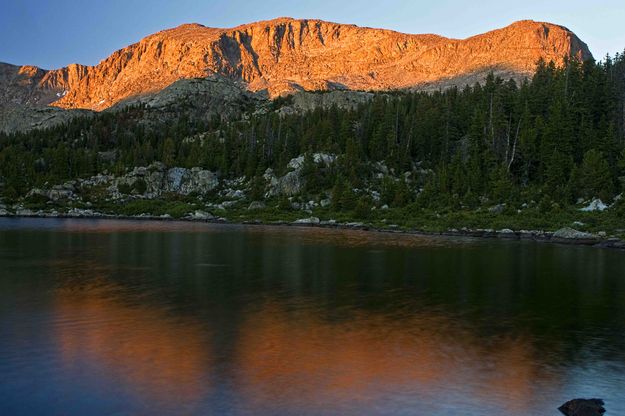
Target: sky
x=54 y=33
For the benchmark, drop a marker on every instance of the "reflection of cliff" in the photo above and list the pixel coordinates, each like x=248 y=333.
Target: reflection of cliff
x=302 y=359
x=391 y=318
x=156 y=355
x=286 y=356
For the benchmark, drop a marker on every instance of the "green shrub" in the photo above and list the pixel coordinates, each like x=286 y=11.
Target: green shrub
x=156 y=207
x=36 y=199
x=124 y=188
x=284 y=204
x=140 y=186
x=363 y=209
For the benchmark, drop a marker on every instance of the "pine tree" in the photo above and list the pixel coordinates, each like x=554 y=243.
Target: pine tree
x=168 y=152
x=595 y=177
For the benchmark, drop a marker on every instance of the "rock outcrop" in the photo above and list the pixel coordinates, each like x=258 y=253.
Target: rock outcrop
x=306 y=101
x=156 y=179
x=197 y=98
x=570 y=235
x=595 y=205
x=292 y=182
x=286 y=55
x=583 y=407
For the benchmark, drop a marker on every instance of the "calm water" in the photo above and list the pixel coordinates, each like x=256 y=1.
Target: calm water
x=146 y=318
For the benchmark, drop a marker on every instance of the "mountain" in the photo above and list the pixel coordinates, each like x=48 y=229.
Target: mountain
x=495 y=156
x=287 y=55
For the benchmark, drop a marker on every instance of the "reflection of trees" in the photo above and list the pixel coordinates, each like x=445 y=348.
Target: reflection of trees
x=297 y=313
x=557 y=294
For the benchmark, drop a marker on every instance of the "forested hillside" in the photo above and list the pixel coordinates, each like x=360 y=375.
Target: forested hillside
x=548 y=143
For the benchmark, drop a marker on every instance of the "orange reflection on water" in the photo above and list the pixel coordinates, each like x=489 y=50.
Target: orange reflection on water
x=297 y=356
x=301 y=358
x=513 y=373
x=158 y=357
x=352 y=238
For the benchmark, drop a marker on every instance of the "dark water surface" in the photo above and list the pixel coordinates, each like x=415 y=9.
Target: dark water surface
x=149 y=318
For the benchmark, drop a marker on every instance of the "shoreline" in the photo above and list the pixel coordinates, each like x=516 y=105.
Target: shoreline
x=506 y=234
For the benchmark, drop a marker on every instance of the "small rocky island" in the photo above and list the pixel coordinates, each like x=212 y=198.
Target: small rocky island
x=583 y=407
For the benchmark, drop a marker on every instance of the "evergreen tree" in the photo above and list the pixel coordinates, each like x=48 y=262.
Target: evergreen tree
x=595 y=177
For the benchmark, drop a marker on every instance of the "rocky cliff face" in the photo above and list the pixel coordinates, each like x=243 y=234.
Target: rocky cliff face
x=286 y=55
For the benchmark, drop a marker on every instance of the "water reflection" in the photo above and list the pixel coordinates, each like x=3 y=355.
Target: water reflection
x=170 y=318
x=305 y=361
x=291 y=358
x=149 y=352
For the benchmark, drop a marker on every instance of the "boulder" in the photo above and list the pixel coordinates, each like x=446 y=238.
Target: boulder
x=292 y=182
x=57 y=193
x=255 y=205
x=354 y=224
x=78 y=212
x=497 y=209
x=272 y=183
x=199 y=181
x=311 y=220
x=595 y=205
x=174 y=179
x=319 y=158
x=583 y=407
x=308 y=206
x=570 y=235
x=24 y=212
x=324 y=158
x=234 y=194
x=200 y=215
x=506 y=233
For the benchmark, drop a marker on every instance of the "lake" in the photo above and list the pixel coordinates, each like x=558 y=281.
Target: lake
x=103 y=317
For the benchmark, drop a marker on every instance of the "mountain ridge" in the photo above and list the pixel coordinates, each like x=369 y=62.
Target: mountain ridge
x=286 y=55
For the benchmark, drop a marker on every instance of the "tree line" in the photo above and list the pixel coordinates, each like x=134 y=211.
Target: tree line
x=556 y=137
